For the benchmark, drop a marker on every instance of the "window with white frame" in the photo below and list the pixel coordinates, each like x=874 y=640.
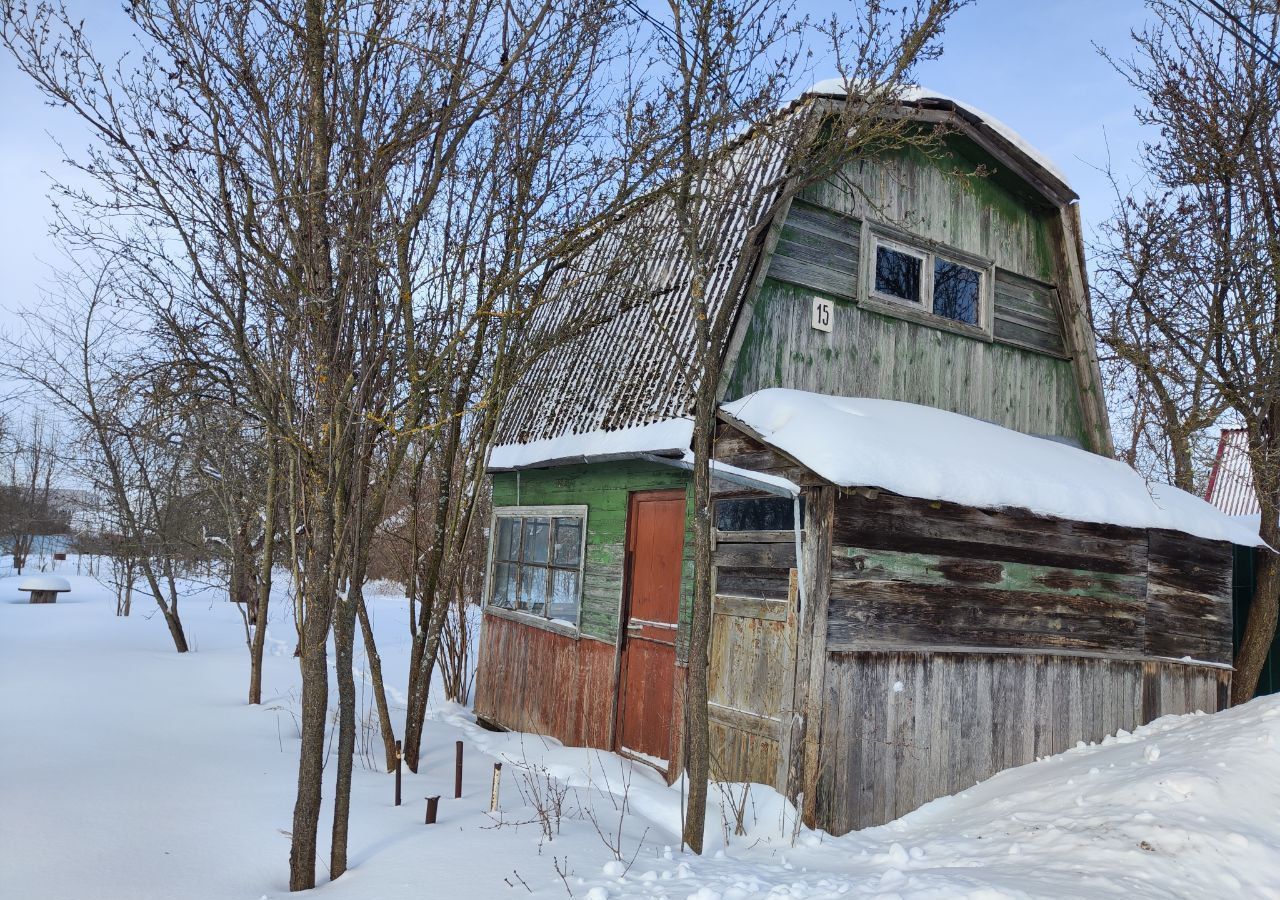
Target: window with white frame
x=536 y=562
x=934 y=282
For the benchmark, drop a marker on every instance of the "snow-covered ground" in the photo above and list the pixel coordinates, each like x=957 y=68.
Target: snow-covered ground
x=128 y=771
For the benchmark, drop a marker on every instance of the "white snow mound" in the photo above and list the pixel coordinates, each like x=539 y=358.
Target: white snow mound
x=932 y=454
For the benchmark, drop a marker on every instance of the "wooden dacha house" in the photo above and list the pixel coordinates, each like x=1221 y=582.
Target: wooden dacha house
x=927 y=567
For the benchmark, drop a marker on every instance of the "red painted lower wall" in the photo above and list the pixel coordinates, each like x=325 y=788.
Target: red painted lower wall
x=535 y=680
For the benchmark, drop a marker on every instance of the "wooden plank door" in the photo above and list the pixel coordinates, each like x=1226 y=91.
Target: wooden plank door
x=651 y=610
x=750 y=683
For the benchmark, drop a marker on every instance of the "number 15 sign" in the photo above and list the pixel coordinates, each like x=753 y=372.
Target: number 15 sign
x=821 y=314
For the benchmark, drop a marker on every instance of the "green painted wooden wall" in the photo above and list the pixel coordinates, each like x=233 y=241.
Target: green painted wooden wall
x=603 y=489
x=869 y=354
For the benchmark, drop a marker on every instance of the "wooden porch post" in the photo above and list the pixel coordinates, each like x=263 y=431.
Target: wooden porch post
x=805 y=728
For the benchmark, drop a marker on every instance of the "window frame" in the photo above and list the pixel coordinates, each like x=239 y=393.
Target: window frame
x=922 y=310
x=523 y=616
x=926 y=273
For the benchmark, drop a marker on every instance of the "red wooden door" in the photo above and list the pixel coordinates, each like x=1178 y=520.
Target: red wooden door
x=655 y=547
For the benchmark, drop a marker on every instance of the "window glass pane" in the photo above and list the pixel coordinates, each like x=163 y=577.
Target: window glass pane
x=766 y=514
x=897 y=274
x=956 y=290
x=508 y=546
x=564 y=596
x=537 y=534
x=568 y=545
x=504 y=585
x=533 y=590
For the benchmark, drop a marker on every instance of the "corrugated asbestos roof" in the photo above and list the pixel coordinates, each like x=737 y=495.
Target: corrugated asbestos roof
x=1231 y=482
x=629 y=366
x=627 y=310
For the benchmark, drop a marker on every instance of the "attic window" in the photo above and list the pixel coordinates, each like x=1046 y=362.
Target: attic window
x=899 y=272
x=939 y=284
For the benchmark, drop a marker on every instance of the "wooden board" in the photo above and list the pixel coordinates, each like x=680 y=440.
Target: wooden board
x=868 y=354
x=902 y=728
x=750 y=655
x=535 y=680
x=1189 y=598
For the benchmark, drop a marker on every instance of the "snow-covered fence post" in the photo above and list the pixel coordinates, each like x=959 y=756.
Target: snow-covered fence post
x=433 y=804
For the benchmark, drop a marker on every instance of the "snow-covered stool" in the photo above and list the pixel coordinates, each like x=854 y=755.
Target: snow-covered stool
x=45 y=588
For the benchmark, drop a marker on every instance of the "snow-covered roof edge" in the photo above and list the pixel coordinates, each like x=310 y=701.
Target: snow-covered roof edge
x=668 y=437
x=836 y=87
x=895 y=446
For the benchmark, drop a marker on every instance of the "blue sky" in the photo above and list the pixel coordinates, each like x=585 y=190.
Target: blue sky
x=1030 y=63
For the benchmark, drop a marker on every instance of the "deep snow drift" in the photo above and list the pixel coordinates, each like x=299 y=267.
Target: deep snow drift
x=128 y=771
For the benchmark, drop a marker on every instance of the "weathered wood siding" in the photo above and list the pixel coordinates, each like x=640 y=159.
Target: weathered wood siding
x=909 y=572
x=1021 y=379
x=751 y=674
x=532 y=679
x=960 y=642
x=867 y=354
x=1189 y=598
x=902 y=728
x=1026 y=314
x=603 y=488
x=941 y=202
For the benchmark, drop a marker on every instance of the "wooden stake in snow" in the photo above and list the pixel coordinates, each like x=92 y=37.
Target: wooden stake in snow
x=457 y=770
x=399 y=758
x=432 y=804
x=497 y=778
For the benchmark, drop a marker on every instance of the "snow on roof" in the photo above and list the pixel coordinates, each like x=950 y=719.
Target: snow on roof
x=835 y=87
x=669 y=436
x=933 y=454
x=44 y=583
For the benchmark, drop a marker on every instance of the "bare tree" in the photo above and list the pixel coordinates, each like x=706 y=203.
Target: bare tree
x=1162 y=406
x=27 y=509
x=344 y=210
x=730 y=65
x=1198 y=257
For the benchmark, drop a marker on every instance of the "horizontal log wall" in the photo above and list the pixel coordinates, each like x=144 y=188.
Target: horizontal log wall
x=909 y=572
x=1189 y=598
x=902 y=728
x=919 y=573
x=535 y=680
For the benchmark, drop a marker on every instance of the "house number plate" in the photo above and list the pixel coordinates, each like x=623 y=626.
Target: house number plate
x=822 y=314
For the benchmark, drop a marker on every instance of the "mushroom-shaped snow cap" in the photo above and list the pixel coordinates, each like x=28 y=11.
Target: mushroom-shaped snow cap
x=44 y=583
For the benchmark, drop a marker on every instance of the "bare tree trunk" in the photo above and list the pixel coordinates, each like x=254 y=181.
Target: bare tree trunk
x=696 y=723
x=315 y=704
x=267 y=561
x=344 y=643
x=379 y=686
x=1260 y=629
